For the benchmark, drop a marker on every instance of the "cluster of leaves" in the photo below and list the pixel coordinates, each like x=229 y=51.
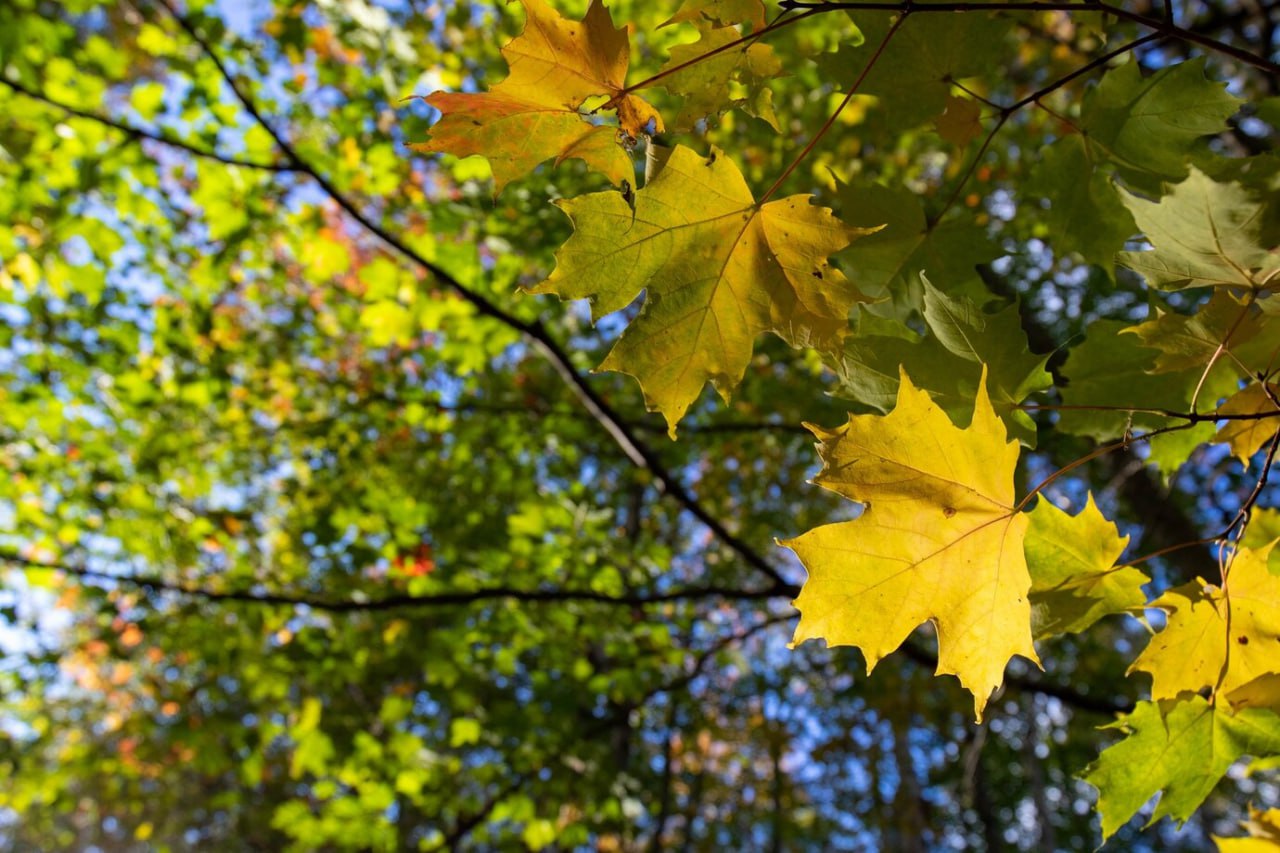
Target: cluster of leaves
x=318 y=534
x=943 y=535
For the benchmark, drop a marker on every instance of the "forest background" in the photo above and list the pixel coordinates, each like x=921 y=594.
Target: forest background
x=320 y=528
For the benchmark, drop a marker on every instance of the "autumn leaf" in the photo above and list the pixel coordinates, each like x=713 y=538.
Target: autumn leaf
x=556 y=65
x=1217 y=637
x=1074 y=579
x=939 y=539
x=1179 y=749
x=1246 y=437
x=717 y=270
x=1264 y=834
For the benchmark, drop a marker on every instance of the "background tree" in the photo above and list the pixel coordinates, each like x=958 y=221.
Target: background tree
x=320 y=534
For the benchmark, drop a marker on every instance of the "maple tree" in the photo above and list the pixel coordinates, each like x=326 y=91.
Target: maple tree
x=318 y=580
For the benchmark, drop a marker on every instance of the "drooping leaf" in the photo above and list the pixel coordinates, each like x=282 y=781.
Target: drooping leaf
x=1074 y=579
x=717 y=270
x=706 y=84
x=555 y=66
x=1180 y=749
x=1218 y=637
x=1246 y=437
x=939 y=539
x=965 y=339
x=1150 y=125
x=1206 y=233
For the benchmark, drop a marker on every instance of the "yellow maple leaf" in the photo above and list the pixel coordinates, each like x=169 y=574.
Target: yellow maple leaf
x=1246 y=437
x=940 y=540
x=556 y=65
x=1220 y=637
x=717 y=269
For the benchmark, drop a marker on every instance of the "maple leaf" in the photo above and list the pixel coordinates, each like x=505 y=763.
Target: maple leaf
x=1148 y=125
x=966 y=339
x=1233 y=333
x=1217 y=637
x=929 y=52
x=1074 y=579
x=889 y=262
x=555 y=66
x=939 y=539
x=717 y=268
x=1085 y=213
x=1246 y=437
x=1181 y=748
x=1206 y=233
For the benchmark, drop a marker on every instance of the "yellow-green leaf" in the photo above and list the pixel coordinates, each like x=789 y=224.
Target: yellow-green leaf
x=1180 y=749
x=1246 y=437
x=717 y=269
x=1218 y=637
x=939 y=539
x=1074 y=579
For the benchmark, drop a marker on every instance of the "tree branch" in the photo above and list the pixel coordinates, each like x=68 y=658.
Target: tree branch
x=157 y=583
x=636 y=450
x=138 y=133
x=1162 y=27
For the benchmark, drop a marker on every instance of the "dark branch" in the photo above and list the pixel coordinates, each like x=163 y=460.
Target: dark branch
x=625 y=437
x=156 y=583
x=1162 y=27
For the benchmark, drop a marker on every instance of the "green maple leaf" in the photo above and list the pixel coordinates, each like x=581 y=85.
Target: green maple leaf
x=1074 y=579
x=1237 y=336
x=889 y=262
x=949 y=363
x=940 y=539
x=1206 y=233
x=928 y=52
x=717 y=268
x=1150 y=126
x=705 y=85
x=1085 y=213
x=1113 y=372
x=1179 y=748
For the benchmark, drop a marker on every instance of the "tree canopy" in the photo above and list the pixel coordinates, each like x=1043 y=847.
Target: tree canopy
x=325 y=526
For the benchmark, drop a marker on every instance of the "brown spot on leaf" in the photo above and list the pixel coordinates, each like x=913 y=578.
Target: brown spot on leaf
x=948 y=511
x=1242 y=640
